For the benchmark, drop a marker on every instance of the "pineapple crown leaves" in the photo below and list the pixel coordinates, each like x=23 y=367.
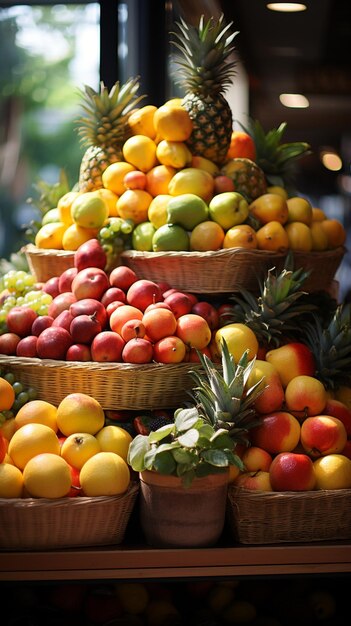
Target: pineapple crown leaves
x=107 y=112
x=223 y=399
x=203 y=55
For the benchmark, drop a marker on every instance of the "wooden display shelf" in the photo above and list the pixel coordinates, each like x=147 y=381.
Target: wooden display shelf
x=128 y=562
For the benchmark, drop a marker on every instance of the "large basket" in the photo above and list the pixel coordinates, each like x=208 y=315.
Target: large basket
x=114 y=385
x=229 y=270
x=45 y=264
x=258 y=517
x=42 y=524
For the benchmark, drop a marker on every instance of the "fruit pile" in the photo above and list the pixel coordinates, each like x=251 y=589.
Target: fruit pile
x=68 y=450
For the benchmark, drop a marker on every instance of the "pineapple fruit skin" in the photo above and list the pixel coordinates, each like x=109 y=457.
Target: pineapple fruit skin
x=94 y=162
x=248 y=178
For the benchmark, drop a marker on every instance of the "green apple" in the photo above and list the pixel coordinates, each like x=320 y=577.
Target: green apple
x=187 y=210
x=228 y=209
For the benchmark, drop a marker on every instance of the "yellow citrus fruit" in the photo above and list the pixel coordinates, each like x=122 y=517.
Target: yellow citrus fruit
x=37 y=412
x=133 y=597
x=8 y=428
x=192 y=180
x=174 y=102
x=333 y=471
x=114 y=439
x=300 y=210
x=319 y=236
x=141 y=121
x=158 y=179
x=104 y=474
x=11 y=481
x=30 y=440
x=238 y=338
x=173 y=153
x=140 y=151
x=64 y=206
x=50 y=236
x=335 y=232
x=79 y=413
x=47 y=476
x=202 y=163
x=240 y=236
x=78 y=448
x=75 y=235
x=205 y=236
x=272 y=236
x=7 y=395
x=299 y=235
x=110 y=198
x=114 y=174
x=89 y=210
x=173 y=123
x=157 y=211
x=318 y=214
x=134 y=204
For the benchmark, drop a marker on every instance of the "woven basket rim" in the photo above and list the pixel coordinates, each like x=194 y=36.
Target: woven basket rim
x=287 y=495
x=33 y=250
x=225 y=252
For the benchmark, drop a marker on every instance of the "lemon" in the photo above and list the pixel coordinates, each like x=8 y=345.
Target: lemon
x=170 y=237
x=47 y=476
x=142 y=236
x=141 y=121
x=37 y=412
x=64 y=206
x=333 y=471
x=140 y=151
x=49 y=236
x=31 y=440
x=113 y=176
x=110 y=198
x=187 y=210
x=114 y=439
x=74 y=236
x=238 y=338
x=173 y=153
x=173 y=123
x=89 y=210
x=79 y=413
x=157 y=211
x=78 y=448
x=104 y=474
x=11 y=481
x=192 y=180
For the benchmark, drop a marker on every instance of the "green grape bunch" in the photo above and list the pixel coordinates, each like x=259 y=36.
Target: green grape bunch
x=19 y=288
x=115 y=236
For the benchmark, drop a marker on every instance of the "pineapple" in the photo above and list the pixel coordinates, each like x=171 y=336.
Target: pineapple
x=223 y=400
x=248 y=178
x=205 y=72
x=104 y=129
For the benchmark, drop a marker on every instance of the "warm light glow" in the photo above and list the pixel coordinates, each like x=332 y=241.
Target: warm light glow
x=286 y=7
x=331 y=161
x=294 y=100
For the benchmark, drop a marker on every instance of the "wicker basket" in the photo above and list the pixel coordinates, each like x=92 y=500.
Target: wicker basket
x=42 y=524
x=258 y=517
x=229 y=270
x=45 y=264
x=114 y=385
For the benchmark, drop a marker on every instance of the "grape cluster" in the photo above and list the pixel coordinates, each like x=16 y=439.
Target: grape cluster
x=115 y=236
x=18 y=288
x=23 y=394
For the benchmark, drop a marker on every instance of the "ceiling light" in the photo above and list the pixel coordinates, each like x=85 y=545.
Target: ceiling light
x=286 y=7
x=294 y=100
x=331 y=161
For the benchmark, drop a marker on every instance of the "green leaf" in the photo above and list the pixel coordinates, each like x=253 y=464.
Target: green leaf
x=164 y=463
x=137 y=451
x=161 y=433
x=184 y=457
x=186 y=419
x=189 y=439
x=218 y=458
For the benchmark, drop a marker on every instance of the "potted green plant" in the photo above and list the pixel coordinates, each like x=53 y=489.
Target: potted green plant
x=184 y=466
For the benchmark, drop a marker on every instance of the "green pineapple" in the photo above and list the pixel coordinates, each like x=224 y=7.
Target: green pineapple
x=277 y=159
x=205 y=71
x=223 y=399
x=103 y=129
x=248 y=178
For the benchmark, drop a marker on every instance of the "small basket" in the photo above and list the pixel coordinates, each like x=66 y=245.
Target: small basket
x=230 y=269
x=258 y=517
x=42 y=524
x=114 y=385
x=45 y=264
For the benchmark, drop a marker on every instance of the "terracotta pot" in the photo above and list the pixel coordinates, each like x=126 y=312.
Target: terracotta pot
x=174 y=516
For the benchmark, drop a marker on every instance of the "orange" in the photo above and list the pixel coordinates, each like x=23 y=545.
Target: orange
x=133 y=204
x=114 y=174
x=114 y=439
x=79 y=413
x=30 y=440
x=205 y=236
x=104 y=474
x=319 y=236
x=64 y=206
x=192 y=180
x=50 y=236
x=272 y=236
x=173 y=153
x=173 y=123
x=157 y=211
x=299 y=235
x=241 y=145
x=11 y=481
x=133 y=596
x=78 y=448
x=141 y=121
x=8 y=428
x=240 y=236
x=37 y=412
x=158 y=179
x=7 y=395
x=335 y=232
x=75 y=235
x=318 y=215
x=47 y=476
x=140 y=151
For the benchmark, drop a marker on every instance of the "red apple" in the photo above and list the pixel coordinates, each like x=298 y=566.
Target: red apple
x=292 y=359
x=8 y=343
x=51 y=286
x=347 y=449
x=338 y=409
x=159 y=323
x=90 y=282
x=169 y=291
x=135 y=180
x=277 y=432
x=53 y=343
x=305 y=396
x=169 y=350
x=107 y=346
x=208 y=312
x=40 y=323
x=322 y=435
x=63 y=319
x=65 y=280
x=272 y=395
x=256 y=459
x=164 y=286
x=78 y=352
x=112 y=307
x=292 y=472
x=192 y=356
x=90 y=254
x=158 y=305
x=179 y=302
x=254 y=481
x=142 y=293
x=84 y=328
x=76 y=489
x=193 y=330
x=60 y=303
x=90 y=306
x=113 y=294
x=19 y=320
x=132 y=329
x=122 y=277
x=223 y=183
x=27 y=346
x=137 y=350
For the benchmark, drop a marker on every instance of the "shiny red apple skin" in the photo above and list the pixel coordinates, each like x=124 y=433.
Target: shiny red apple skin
x=51 y=286
x=90 y=306
x=66 y=278
x=142 y=293
x=19 y=320
x=78 y=352
x=53 y=343
x=27 y=346
x=208 y=312
x=90 y=282
x=107 y=346
x=42 y=322
x=341 y=411
x=8 y=343
x=63 y=319
x=179 y=302
x=113 y=294
x=122 y=277
x=60 y=303
x=292 y=472
x=83 y=328
x=90 y=254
